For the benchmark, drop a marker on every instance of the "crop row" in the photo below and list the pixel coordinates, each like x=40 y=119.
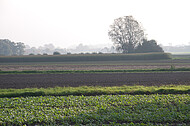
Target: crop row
x=96 y=110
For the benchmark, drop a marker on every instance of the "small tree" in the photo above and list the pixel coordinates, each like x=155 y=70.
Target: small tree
x=126 y=33
x=148 y=46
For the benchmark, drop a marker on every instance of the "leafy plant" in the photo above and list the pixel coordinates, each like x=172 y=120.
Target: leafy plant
x=96 y=110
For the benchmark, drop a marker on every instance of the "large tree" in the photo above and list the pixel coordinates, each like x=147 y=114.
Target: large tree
x=126 y=33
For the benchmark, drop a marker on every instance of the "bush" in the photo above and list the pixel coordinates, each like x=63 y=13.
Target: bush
x=56 y=53
x=148 y=46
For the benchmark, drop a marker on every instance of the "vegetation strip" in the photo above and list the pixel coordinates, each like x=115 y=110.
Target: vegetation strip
x=172 y=69
x=85 y=57
x=143 y=110
x=97 y=90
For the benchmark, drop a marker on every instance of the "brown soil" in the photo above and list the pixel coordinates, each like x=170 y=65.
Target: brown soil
x=92 y=79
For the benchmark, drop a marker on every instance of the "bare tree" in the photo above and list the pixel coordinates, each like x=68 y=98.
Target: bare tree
x=126 y=33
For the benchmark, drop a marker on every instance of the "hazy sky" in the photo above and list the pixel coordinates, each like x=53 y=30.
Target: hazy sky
x=71 y=22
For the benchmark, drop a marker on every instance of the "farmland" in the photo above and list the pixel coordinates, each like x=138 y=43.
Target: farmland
x=93 y=79
x=118 y=92
x=92 y=62
x=95 y=65
x=97 y=110
x=85 y=57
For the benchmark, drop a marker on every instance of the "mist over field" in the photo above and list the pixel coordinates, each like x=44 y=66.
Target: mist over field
x=94 y=62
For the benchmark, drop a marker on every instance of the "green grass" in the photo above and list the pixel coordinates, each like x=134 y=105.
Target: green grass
x=95 y=90
x=138 y=110
x=172 y=69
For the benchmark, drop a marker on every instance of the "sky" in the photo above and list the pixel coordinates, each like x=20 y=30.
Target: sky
x=66 y=23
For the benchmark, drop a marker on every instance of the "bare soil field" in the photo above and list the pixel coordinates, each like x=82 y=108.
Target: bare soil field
x=92 y=79
x=99 y=65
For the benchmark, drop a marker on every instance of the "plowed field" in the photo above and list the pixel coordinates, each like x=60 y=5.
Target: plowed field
x=92 y=79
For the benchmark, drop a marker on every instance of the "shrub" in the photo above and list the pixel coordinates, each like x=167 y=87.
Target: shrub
x=56 y=53
x=148 y=46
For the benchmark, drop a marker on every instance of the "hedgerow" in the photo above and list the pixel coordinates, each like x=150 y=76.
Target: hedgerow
x=86 y=57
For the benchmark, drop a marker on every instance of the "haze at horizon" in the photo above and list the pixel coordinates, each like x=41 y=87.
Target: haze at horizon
x=68 y=23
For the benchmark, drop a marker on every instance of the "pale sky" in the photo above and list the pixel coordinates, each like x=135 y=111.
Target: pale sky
x=71 y=22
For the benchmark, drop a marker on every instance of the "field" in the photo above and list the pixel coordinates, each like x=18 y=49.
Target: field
x=85 y=57
x=97 y=110
x=93 y=79
x=95 y=65
x=119 y=92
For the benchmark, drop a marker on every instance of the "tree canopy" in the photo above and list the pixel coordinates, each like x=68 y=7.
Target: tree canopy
x=128 y=37
x=126 y=33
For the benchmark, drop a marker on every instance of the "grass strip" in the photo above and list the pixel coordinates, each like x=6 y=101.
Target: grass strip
x=95 y=90
x=172 y=69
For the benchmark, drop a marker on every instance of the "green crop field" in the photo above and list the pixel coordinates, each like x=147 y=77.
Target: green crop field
x=165 y=105
x=97 y=110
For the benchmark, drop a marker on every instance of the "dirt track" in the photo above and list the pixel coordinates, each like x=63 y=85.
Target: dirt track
x=92 y=79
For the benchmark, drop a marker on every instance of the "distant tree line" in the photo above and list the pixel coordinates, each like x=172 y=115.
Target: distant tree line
x=8 y=48
x=47 y=49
